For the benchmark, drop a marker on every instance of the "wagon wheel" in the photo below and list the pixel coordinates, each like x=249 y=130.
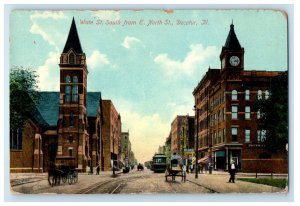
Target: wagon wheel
x=51 y=180
x=70 y=178
x=64 y=178
x=75 y=176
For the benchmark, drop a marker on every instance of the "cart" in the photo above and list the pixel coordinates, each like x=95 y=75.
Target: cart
x=62 y=173
x=175 y=169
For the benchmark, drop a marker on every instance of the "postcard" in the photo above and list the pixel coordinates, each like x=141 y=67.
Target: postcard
x=148 y=101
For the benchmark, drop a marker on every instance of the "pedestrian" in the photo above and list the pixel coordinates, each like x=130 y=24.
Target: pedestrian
x=98 y=170
x=183 y=173
x=232 y=170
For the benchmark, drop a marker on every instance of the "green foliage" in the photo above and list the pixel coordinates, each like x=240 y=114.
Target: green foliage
x=272 y=182
x=274 y=114
x=23 y=95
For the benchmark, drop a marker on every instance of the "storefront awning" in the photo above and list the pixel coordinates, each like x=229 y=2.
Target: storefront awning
x=204 y=160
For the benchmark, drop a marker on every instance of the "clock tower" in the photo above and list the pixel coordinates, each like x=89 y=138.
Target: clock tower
x=232 y=54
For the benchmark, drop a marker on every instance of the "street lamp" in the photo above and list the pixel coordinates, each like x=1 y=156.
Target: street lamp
x=196 y=169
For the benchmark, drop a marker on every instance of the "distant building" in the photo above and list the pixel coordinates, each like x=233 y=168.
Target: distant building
x=168 y=148
x=175 y=134
x=111 y=135
x=227 y=122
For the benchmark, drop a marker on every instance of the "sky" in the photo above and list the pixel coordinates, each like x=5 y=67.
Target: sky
x=149 y=71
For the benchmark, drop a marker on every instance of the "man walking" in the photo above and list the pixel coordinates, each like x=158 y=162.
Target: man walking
x=232 y=171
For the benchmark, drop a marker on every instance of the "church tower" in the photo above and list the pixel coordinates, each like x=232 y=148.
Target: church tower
x=73 y=138
x=232 y=54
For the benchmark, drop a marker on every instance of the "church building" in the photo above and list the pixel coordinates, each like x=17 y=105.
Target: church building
x=66 y=126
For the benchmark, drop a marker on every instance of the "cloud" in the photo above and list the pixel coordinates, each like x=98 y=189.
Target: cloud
x=97 y=59
x=107 y=14
x=44 y=29
x=129 y=41
x=196 y=57
x=147 y=132
x=49 y=73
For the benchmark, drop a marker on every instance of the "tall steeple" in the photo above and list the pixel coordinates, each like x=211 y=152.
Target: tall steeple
x=232 y=42
x=73 y=40
x=73 y=149
x=232 y=54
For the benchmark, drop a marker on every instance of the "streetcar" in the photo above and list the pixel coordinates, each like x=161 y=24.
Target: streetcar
x=159 y=163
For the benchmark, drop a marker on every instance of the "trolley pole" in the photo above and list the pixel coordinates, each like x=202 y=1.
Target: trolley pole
x=196 y=169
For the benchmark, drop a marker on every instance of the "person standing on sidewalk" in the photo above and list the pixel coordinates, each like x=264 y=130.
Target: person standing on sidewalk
x=232 y=171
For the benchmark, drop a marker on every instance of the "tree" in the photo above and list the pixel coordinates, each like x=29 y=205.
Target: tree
x=23 y=95
x=274 y=114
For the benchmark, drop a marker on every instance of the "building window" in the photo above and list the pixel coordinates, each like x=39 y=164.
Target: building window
x=247 y=112
x=247 y=94
x=71 y=119
x=70 y=151
x=215 y=119
x=215 y=137
x=16 y=139
x=75 y=79
x=220 y=116
x=219 y=136
x=68 y=93
x=247 y=135
x=71 y=139
x=224 y=135
x=261 y=135
x=72 y=58
x=258 y=114
x=224 y=113
x=234 y=95
x=68 y=79
x=234 y=131
x=259 y=94
x=267 y=94
x=234 y=112
x=75 y=93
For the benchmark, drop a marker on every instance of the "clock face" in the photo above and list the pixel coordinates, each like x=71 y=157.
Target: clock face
x=234 y=61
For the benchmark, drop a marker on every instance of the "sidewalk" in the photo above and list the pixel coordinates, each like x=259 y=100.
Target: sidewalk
x=218 y=182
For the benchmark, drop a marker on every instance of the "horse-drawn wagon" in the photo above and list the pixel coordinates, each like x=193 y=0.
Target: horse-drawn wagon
x=176 y=168
x=63 y=173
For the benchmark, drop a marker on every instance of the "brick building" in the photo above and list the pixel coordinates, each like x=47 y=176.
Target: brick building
x=175 y=134
x=65 y=127
x=111 y=135
x=227 y=123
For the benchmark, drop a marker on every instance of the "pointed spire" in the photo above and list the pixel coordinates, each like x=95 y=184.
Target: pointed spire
x=232 y=42
x=73 y=40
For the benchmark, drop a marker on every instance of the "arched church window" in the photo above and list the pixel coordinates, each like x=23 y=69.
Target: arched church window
x=72 y=58
x=68 y=79
x=75 y=93
x=68 y=93
x=75 y=79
